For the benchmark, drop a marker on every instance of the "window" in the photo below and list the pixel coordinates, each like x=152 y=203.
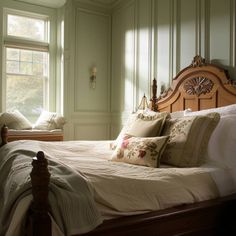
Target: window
x=27 y=55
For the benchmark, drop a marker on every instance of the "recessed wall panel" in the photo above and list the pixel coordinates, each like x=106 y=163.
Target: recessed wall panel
x=92 y=50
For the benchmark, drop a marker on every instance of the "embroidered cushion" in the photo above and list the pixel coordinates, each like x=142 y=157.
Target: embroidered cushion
x=189 y=136
x=140 y=151
x=15 y=120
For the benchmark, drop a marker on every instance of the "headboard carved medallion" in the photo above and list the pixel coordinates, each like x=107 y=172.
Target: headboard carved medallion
x=198 y=86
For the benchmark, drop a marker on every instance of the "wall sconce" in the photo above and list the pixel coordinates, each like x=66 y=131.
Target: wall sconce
x=143 y=104
x=93 y=77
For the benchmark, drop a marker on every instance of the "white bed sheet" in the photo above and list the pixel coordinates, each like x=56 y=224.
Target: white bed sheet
x=125 y=189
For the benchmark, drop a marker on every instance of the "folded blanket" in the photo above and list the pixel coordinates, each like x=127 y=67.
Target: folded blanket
x=70 y=196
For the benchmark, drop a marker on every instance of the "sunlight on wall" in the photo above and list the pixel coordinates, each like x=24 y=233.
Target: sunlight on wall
x=62 y=67
x=129 y=70
x=143 y=66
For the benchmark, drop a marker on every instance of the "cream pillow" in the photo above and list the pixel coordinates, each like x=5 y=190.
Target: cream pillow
x=140 y=151
x=15 y=120
x=189 y=136
x=49 y=121
x=147 y=125
x=149 y=119
x=225 y=110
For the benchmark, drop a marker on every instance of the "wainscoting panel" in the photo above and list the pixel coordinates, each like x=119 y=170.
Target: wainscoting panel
x=91 y=131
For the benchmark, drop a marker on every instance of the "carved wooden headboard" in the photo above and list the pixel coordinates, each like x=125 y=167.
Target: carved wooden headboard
x=198 y=86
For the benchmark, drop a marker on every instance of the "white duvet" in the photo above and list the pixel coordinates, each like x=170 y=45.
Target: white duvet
x=125 y=189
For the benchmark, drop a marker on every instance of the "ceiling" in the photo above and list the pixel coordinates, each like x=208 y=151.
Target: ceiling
x=59 y=3
x=47 y=3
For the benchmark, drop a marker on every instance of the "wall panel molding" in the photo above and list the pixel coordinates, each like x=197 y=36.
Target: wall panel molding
x=232 y=33
x=85 y=98
x=207 y=30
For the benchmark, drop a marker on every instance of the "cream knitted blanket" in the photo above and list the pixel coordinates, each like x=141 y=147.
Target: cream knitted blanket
x=70 y=196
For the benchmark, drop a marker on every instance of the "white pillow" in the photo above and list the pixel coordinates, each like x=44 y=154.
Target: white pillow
x=177 y=114
x=222 y=144
x=49 y=121
x=15 y=120
x=226 y=110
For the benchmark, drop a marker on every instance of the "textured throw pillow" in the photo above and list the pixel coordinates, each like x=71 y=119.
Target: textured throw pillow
x=15 y=120
x=225 y=110
x=140 y=151
x=49 y=121
x=189 y=137
x=136 y=120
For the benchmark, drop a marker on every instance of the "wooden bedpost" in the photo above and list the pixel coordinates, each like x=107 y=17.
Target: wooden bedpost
x=40 y=222
x=4 y=135
x=154 y=99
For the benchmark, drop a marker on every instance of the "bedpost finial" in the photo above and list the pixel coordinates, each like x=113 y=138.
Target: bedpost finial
x=40 y=178
x=154 y=99
x=40 y=156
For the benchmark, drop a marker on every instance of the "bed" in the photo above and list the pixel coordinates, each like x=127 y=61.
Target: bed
x=200 y=86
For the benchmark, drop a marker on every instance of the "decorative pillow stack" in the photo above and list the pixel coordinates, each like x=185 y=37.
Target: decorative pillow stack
x=138 y=136
x=189 y=137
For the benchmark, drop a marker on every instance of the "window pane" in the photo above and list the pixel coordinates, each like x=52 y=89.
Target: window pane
x=25 y=93
x=13 y=54
x=26 y=27
x=27 y=62
x=26 y=55
x=13 y=67
x=26 y=81
x=26 y=68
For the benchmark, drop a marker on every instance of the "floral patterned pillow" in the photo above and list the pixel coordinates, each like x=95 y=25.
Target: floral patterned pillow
x=189 y=137
x=140 y=151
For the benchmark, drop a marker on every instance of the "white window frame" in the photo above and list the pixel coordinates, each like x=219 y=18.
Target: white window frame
x=48 y=45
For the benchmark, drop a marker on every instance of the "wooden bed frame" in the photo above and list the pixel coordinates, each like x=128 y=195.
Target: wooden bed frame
x=199 y=86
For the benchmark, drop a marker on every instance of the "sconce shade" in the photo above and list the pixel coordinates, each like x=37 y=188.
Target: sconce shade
x=143 y=104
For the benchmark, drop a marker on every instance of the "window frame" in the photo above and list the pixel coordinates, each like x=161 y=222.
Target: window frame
x=49 y=45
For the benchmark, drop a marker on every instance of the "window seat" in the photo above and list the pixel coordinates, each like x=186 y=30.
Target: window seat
x=34 y=134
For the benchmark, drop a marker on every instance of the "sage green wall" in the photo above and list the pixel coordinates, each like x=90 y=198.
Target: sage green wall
x=158 y=38
x=87 y=44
